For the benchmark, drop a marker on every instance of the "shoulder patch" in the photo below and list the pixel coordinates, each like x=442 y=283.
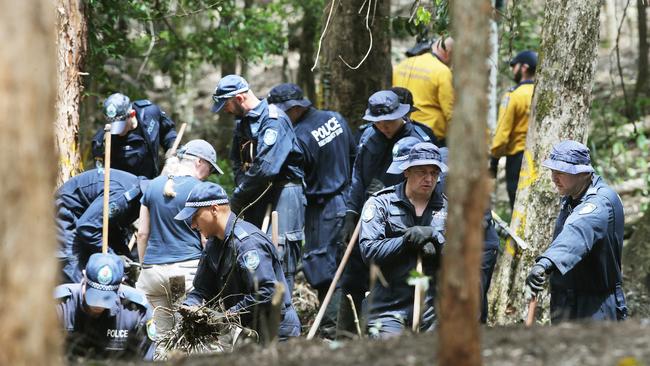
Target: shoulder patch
x=274 y=112
x=368 y=212
x=251 y=259
x=587 y=208
x=270 y=136
x=142 y=103
x=240 y=233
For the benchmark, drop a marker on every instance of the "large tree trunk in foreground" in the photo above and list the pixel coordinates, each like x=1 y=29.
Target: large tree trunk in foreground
x=636 y=269
x=468 y=188
x=560 y=111
x=30 y=332
x=310 y=25
x=642 y=82
x=71 y=51
x=346 y=90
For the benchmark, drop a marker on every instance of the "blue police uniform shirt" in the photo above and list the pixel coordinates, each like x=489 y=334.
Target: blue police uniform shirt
x=373 y=159
x=242 y=270
x=270 y=155
x=124 y=332
x=170 y=241
x=586 y=250
x=79 y=205
x=329 y=151
x=137 y=152
x=384 y=220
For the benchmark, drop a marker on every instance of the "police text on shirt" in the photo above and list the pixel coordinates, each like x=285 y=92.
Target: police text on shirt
x=327 y=131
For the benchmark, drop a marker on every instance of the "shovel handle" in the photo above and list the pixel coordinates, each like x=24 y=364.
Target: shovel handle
x=532 y=306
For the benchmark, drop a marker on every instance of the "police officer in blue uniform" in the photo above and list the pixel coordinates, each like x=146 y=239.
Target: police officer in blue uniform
x=79 y=219
x=399 y=223
x=265 y=151
x=104 y=319
x=369 y=175
x=329 y=151
x=584 y=259
x=239 y=266
x=138 y=129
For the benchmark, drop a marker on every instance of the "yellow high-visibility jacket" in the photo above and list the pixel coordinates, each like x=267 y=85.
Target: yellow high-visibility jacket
x=429 y=80
x=512 y=126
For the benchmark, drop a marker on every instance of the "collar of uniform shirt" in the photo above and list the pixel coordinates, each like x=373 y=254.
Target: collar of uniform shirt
x=257 y=111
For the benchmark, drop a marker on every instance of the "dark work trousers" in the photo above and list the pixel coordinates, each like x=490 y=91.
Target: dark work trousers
x=513 y=166
x=354 y=281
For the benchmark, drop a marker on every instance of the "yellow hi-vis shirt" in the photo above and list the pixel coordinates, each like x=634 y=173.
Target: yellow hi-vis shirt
x=429 y=80
x=512 y=126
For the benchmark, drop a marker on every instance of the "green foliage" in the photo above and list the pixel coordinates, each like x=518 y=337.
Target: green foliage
x=227 y=179
x=429 y=21
x=186 y=34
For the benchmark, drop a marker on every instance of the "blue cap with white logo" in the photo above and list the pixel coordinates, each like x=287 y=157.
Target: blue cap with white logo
x=228 y=87
x=116 y=111
x=569 y=157
x=104 y=273
x=204 y=194
x=424 y=153
x=401 y=151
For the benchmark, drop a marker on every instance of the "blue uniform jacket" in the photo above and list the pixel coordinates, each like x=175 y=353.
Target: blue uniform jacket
x=264 y=149
x=329 y=152
x=79 y=204
x=586 y=248
x=137 y=152
x=242 y=270
x=385 y=218
x=124 y=332
x=373 y=158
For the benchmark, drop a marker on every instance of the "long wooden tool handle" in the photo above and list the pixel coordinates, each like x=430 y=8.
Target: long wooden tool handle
x=177 y=141
x=267 y=219
x=337 y=276
x=417 y=302
x=107 y=186
x=275 y=236
x=530 y=317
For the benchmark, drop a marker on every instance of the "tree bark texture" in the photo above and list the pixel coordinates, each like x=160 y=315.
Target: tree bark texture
x=71 y=51
x=468 y=187
x=310 y=23
x=30 y=331
x=636 y=260
x=560 y=111
x=345 y=89
x=642 y=82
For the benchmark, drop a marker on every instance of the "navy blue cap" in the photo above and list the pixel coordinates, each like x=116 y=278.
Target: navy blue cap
x=201 y=149
x=424 y=153
x=401 y=151
x=116 y=111
x=525 y=57
x=384 y=105
x=204 y=194
x=104 y=273
x=228 y=87
x=569 y=157
x=286 y=96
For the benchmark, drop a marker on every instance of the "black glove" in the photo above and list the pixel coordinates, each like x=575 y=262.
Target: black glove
x=429 y=250
x=416 y=237
x=349 y=224
x=536 y=278
x=375 y=186
x=235 y=205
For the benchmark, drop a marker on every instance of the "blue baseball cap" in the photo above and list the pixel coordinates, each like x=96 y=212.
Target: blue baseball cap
x=201 y=149
x=384 y=105
x=286 y=96
x=401 y=151
x=525 y=57
x=116 y=111
x=228 y=87
x=204 y=194
x=424 y=153
x=104 y=273
x=569 y=157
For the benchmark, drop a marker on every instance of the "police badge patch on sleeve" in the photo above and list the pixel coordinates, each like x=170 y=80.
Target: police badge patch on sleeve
x=368 y=212
x=251 y=259
x=587 y=209
x=270 y=136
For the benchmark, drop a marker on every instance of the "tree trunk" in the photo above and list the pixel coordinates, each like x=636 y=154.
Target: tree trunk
x=30 y=332
x=310 y=23
x=560 y=111
x=346 y=90
x=71 y=51
x=468 y=188
x=636 y=269
x=642 y=84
